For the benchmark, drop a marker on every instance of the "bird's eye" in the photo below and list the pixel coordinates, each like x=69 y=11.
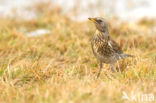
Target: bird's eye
x=99 y=21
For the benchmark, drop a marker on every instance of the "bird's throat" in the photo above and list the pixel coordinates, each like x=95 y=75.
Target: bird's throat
x=102 y=34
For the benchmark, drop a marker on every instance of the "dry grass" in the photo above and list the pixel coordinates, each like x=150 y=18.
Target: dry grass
x=60 y=67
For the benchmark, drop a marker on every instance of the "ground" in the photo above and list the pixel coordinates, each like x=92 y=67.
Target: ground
x=60 y=67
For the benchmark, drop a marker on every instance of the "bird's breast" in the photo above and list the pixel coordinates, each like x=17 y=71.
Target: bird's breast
x=101 y=46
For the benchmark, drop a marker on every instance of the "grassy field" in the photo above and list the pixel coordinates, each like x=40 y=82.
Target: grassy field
x=60 y=68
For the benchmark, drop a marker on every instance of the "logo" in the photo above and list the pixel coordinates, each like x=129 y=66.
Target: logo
x=138 y=97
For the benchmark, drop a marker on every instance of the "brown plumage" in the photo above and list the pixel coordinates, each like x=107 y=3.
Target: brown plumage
x=104 y=48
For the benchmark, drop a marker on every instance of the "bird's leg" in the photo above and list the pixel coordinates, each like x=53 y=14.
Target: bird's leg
x=119 y=67
x=112 y=68
x=100 y=63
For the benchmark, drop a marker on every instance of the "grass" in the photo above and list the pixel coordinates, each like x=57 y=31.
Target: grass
x=60 y=67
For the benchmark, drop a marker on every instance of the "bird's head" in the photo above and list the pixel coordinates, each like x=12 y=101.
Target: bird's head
x=100 y=24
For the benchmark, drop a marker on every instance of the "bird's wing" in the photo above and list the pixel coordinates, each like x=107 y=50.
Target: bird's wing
x=106 y=47
x=115 y=47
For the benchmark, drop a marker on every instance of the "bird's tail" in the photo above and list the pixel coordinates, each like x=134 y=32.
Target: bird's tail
x=126 y=55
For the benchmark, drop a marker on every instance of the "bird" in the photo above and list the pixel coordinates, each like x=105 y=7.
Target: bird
x=104 y=48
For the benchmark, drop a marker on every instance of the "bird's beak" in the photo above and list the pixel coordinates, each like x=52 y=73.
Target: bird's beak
x=92 y=19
